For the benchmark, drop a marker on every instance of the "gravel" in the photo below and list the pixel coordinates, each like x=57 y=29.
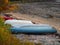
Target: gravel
x=44 y=39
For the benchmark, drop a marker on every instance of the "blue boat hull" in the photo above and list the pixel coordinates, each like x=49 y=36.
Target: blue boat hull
x=34 y=30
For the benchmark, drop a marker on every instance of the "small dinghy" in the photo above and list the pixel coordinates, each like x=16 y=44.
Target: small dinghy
x=33 y=29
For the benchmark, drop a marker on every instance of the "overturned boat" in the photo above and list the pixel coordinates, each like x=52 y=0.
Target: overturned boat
x=33 y=29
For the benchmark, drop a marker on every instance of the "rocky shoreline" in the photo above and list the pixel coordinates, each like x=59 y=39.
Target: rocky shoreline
x=36 y=12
